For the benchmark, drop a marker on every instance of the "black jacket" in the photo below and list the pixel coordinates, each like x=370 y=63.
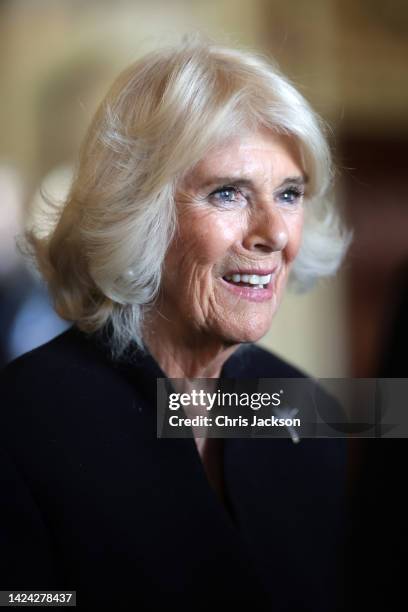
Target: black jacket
x=93 y=501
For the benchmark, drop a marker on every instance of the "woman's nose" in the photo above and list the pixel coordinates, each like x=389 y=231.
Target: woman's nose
x=267 y=232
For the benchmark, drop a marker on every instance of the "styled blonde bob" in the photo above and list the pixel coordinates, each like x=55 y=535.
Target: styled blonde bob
x=103 y=258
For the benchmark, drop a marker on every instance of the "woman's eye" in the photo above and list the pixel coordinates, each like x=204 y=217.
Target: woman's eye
x=292 y=195
x=225 y=195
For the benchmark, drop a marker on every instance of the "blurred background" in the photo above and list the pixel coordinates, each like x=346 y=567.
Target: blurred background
x=349 y=59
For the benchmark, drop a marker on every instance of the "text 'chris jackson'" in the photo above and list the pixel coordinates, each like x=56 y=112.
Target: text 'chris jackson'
x=226 y=421
x=219 y=400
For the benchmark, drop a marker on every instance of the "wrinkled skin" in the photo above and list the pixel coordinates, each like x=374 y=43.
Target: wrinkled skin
x=198 y=322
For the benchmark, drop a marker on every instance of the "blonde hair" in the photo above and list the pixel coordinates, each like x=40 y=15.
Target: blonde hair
x=103 y=258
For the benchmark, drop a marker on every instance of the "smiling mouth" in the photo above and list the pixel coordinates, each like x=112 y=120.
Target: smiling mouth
x=255 y=281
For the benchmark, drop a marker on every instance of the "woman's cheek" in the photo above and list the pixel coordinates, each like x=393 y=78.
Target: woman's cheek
x=228 y=227
x=216 y=234
x=295 y=229
x=227 y=230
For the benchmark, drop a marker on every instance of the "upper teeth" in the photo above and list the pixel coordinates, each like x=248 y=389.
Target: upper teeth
x=252 y=279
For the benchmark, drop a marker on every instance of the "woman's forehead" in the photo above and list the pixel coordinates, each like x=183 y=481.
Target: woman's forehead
x=244 y=157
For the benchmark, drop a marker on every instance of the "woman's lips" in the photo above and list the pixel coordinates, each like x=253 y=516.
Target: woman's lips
x=257 y=271
x=252 y=294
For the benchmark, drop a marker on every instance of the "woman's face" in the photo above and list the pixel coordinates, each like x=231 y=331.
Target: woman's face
x=240 y=215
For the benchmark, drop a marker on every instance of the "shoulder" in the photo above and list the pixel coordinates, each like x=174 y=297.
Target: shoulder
x=317 y=405
x=71 y=352
x=70 y=347
x=68 y=371
x=56 y=361
x=64 y=400
x=252 y=361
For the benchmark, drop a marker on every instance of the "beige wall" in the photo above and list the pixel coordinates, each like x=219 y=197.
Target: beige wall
x=310 y=330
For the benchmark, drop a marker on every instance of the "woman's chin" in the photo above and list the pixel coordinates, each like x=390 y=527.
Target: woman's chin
x=247 y=332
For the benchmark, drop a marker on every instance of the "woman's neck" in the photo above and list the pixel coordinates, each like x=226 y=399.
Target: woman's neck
x=181 y=355
x=184 y=357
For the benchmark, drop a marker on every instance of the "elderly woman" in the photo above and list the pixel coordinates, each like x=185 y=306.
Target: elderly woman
x=202 y=187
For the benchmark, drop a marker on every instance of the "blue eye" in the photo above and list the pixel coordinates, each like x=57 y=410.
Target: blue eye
x=226 y=195
x=291 y=195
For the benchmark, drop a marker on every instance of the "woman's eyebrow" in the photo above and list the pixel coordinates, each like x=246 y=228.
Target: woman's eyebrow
x=294 y=180
x=244 y=182
x=228 y=180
